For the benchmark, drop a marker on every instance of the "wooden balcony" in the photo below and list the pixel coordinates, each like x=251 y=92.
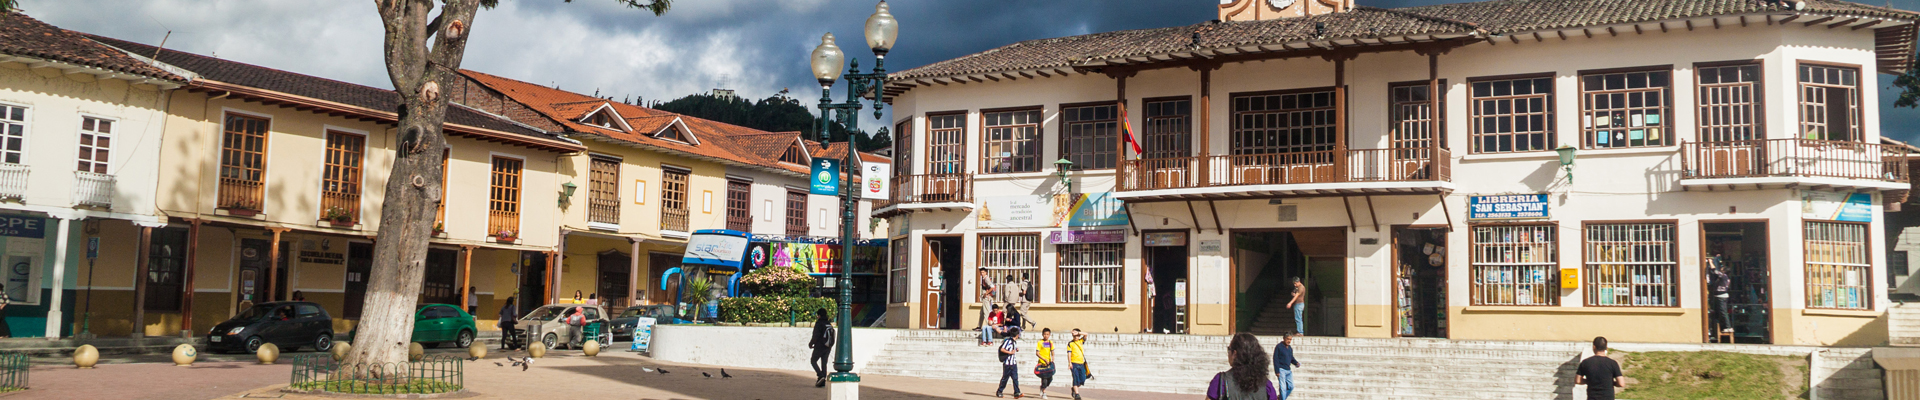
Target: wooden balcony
x=503 y=226
x=345 y=202
x=603 y=211
x=1327 y=172
x=1793 y=163
x=674 y=219
x=928 y=192
x=241 y=196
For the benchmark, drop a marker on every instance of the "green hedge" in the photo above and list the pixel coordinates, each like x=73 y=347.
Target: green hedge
x=772 y=309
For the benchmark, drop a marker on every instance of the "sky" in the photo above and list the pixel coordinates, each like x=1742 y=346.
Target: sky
x=757 y=47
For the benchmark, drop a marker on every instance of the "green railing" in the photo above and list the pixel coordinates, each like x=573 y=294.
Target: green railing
x=13 y=372
x=430 y=375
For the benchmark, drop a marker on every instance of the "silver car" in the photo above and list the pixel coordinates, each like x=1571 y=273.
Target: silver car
x=548 y=325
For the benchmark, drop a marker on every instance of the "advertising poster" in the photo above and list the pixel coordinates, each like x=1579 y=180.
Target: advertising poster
x=1096 y=209
x=1028 y=211
x=873 y=181
x=642 y=333
x=1836 y=206
x=826 y=177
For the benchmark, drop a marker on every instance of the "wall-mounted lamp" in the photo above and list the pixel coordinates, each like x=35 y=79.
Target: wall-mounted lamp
x=1566 y=160
x=1060 y=168
x=566 y=193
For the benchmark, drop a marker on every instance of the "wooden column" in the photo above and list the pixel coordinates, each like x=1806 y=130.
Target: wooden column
x=466 y=276
x=140 y=281
x=558 y=257
x=1340 y=118
x=1434 y=114
x=1206 y=126
x=273 y=266
x=633 y=273
x=549 y=289
x=186 y=282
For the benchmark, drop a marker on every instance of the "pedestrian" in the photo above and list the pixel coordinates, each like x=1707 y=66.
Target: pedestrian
x=985 y=283
x=1283 y=365
x=1720 y=285
x=577 y=299
x=1077 y=361
x=990 y=325
x=5 y=331
x=1010 y=363
x=1043 y=367
x=593 y=299
x=1599 y=373
x=576 y=319
x=1243 y=380
x=509 y=317
x=299 y=296
x=473 y=300
x=1299 y=305
x=822 y=345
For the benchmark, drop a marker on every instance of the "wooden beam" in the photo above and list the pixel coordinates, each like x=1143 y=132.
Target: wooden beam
x=1536 y=37
x=1869 y=24
x=1716 y=23
x=1663 y=26
x=1217 y=228
x=1194 y=215
x=1563 y=35
x=1636 y=30
x=1351 y=227
x=1689 y=25
x=1743 y=21
x=1373 y=216
x=1849 y=21
x=1588 y=32
x=1445 y=212
x=1789 y=18
x=1818 y=20
x=466 y=277
x=1611 y=33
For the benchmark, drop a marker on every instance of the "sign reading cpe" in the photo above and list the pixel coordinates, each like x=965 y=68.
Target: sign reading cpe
x=1510 y=206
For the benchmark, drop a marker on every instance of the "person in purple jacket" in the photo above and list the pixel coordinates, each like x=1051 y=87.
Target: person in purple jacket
x=1247 y=378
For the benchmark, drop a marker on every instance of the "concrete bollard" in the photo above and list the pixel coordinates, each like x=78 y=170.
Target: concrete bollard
x=184 y=355
x=268 y=353
x=86 y=356
x=340 y=350
x=537 y=350
x=477 y=350
x=592 y=348
x=415 y=352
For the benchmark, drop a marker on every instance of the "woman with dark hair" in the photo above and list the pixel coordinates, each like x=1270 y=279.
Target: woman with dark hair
x=1247 y=378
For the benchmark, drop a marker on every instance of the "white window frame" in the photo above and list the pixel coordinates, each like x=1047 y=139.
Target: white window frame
x=7 y=122
x=1631 y=265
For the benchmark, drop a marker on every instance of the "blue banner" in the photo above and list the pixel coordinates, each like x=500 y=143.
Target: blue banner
x=23 y=226
x=1509 y=206
x=1859 y=208
x=826 y=177
x=1097 y=209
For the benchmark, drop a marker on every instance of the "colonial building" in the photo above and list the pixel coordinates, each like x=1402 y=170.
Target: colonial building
x=1515 y=169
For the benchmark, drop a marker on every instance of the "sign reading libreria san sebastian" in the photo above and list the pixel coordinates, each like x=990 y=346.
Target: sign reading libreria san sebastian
x=1507 y=206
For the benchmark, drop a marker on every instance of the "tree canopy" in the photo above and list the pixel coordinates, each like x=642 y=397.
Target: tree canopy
x=777 y=113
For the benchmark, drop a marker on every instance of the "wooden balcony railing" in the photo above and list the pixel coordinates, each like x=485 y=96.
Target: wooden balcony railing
x=241 y=194
x=344 y=202
x=503 y=225
x=1328 y=166
x=92 y=189
x=932 y=188
x=672 y=219
x=1793 y=157
x=603 y=210
x=13 y=181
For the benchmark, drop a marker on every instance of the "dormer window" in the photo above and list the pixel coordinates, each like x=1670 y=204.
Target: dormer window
x=600 y=120
x=605 y=117
x=672 y=134
x=794 y=155
x=676 y=130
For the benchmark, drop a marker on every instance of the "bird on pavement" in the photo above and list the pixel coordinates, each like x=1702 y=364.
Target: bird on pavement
x=498 y=364
x=724 y=374
x=706 y=374
x=663 y=371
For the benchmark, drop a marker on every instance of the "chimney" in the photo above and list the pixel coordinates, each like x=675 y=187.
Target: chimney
x=1257 y=10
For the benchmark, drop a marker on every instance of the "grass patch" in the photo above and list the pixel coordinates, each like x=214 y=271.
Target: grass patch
x=1713 y=375
x=417 y=386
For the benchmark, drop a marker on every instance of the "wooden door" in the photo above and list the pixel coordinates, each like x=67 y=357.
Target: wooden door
x=359 y=266
x=931 y=288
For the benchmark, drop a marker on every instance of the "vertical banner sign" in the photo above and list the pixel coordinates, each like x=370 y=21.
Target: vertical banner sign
x=1512 y=206
x=826 y=177
x=874 y=181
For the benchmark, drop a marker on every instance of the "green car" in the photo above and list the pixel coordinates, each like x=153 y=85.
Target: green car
x=436 y=324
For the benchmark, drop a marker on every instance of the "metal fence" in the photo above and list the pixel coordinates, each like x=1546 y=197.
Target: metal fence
x=13 y=371
x=430 y=375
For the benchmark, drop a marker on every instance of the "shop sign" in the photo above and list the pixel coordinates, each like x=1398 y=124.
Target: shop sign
x=23 y=226
x=1166 y=239
x=1210 y=246
x=1508 y=206
x=874 y=182
x=1083 y=237
x=826 y=177
x=1030 y=211
x=1836 y=206
x=321 y=257
x=1096 y=209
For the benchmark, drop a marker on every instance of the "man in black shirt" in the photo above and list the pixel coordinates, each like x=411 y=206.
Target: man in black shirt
x=822 y=345
x=1599 y=373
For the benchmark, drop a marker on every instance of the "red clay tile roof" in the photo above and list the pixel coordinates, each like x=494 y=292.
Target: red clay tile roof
x=21 y=35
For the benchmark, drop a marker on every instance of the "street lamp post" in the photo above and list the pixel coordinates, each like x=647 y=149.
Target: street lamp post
x=881 y=30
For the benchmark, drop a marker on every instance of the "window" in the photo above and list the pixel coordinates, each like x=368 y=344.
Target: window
x=1625 y=109
x=796 y=213
x=1837 y=266
x=1514 y=265
x=1012 y=141
x=1169 y=132
x=166 y=261
x=1411 y=117
x=305 y=311
x=1631 y=265
x=903 y=147
x=601 y=119
x=739 y=218
x=673 y=199
x=673 y=134
x=503 y=207
x=946 y=144
x=793 y=155
x=1089 y=136
x=1090 y=273
x=898 y=275
x=1829 y=102
x=439 y=282
x=1285 y=122
x=96 y=138
x=13 y=134
x=603 y=190
x=243 y=163
x=1513 y=115
x=1012 y=259
x=1730 y=102
x=340 y=182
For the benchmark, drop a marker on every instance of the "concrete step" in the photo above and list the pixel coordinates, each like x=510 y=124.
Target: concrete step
x=1314 y=386
x=1215 y=354
x=1354 y=369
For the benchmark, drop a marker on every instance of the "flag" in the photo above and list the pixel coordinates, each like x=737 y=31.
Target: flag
x=1126 y=129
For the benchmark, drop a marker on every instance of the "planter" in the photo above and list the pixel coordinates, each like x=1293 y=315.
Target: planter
x=86 y=356
x=238 y=212
x=184 y=354
x=497 y=239
x=342 y=224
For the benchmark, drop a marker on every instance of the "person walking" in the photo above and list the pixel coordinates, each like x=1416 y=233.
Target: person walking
x=822 y=345
x=1599 y=373
x=508 y=319
x=1010 y=363
x=1720 y=285
x=1283 y=365
x=1077 y=361
x=1299 y=305
x=473 y=300
x=1043 y=367
x=1243 y=380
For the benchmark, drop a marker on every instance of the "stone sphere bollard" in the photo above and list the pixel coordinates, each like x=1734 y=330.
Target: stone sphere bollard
x=477 y=350
x=86 y=356
x=267 y=353
x=592 y=348
x=340 y=350
x=184 y=355
x=537 y=350
x=415 y=352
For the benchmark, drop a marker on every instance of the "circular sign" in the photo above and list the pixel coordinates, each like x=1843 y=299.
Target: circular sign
x=758 y=256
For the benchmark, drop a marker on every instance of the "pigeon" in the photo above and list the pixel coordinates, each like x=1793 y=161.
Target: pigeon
x=498 y=364
x=706 y=374
x=663 y=371
x=724 y=374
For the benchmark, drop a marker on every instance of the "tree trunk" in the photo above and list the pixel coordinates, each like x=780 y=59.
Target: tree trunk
x=413 y=187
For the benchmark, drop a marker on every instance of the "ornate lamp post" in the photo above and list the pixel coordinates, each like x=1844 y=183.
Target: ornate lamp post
x=881 y=31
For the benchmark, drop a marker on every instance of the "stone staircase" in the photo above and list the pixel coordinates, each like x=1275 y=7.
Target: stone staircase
x=1333 y=368
x=1276 y=319
x=1838 y=373
x=1903 y=325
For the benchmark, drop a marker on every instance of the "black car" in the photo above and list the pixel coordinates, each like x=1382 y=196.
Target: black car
x=623 y=324
x=290 y=325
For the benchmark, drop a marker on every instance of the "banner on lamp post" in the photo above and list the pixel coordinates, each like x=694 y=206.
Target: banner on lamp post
x=874 y=185
x=826 y=177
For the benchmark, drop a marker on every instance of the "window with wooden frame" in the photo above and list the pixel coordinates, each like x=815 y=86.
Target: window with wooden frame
x=739 y=218
x=674 y=134
x=13 y=134
x=793 y=155
x=1169 y=132
x=796 y=213
x=947 y=144
x=1838 y=267
x=340 y=182
x=1514 y=265
x=899 y=273
x=1626 y=108
x=1010 y=141
x=1012 y=259
x=243 y=163
x=1090 y=273
x=1512 y=115
x=1632 y=265
x=1730 y=102
x=503 y=205
x=1089 y=135
x=603 y=190
x=674 y=214
x=903 y=147
x=1295 y=121
x=601 y=119
x=1829 y=102
x=96 y=140
x=1410 y=116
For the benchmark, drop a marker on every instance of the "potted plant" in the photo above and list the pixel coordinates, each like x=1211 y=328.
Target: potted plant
x=505 y=236
x=338 y=216
x=439 y=228
x=244 y=208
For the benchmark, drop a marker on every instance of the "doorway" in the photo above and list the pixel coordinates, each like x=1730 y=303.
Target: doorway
x=1167 y=262
x=359 y=266
x=940 y=267
x=533 y=266
x=1741 y=248
x=1266 y=264
x=1420 y=282
x=253 y=275
x=442 y=272
x=657 y=266
x=614 y=267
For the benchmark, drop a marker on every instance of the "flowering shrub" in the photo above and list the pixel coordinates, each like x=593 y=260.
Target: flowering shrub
x=772 y=309
x=777 y=282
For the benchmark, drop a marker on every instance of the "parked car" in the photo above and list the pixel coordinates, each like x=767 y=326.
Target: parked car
x=439 y=324
x=624 y=323
x=547 y=325
x=287 y=324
